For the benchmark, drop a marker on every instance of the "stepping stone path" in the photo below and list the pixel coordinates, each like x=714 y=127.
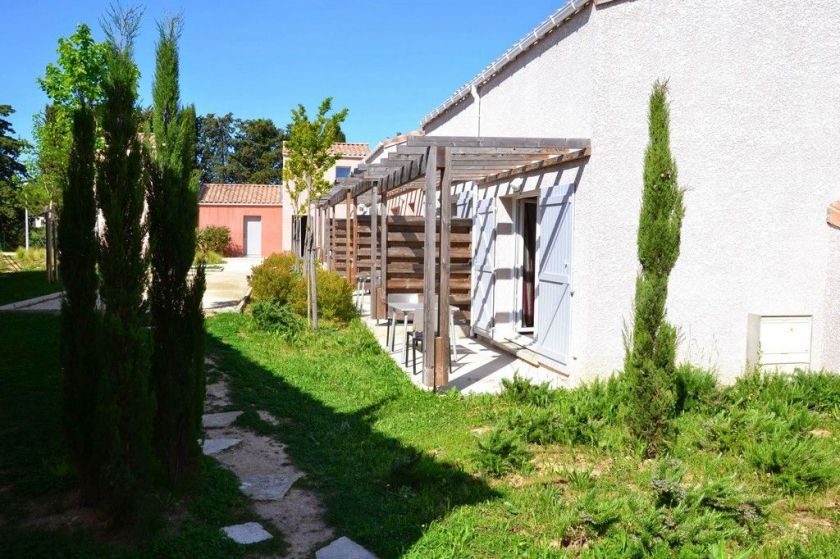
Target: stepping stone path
x=215 y=446
x=248 y=533
x=219 y=420
x=267 y=488
x=344 y=548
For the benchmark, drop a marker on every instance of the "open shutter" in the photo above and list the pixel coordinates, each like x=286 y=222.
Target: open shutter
x=484 y=265
x=554 y=273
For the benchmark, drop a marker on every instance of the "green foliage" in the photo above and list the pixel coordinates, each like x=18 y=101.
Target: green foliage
x=177 y=365
x=76 y=78
x=650 y=361
x=309 y=154
x=80 y=322
x=335 y=297
x=271 y=316
x=501 y=452
x=209 y=258
x=797 y=464
x=520 y=390
x=33 y=259
x=257 y=155
x=274 y=278
x=215 y=140
x=11 y=173
x=696 y=389
x=214 y=238
x=126 y=401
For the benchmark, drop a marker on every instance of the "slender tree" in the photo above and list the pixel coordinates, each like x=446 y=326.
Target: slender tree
x=309 y=156
x=650 y=362
x=126 y=401
x=80 y=329
x=257 y=155
x=177 y=319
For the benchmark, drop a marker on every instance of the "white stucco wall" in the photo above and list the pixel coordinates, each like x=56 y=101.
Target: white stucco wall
x=755 y=93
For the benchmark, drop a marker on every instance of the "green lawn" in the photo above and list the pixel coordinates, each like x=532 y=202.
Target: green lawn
x=36 y=476
x=17 y=286
x=752 y=471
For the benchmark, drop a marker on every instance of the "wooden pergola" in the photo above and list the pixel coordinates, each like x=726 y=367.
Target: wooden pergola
x=436 y=164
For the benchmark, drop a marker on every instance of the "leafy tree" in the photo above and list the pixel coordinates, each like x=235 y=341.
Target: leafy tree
x=215 y=145
x=177 y=320
x=308 y=158
x=650 y=362
x=126 y=401
x=80 y=328
x=257 y=152
x=11 y=173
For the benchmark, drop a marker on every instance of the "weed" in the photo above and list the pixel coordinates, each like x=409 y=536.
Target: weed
x=501 y=452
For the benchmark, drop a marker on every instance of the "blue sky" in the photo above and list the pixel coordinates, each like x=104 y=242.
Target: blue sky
x=389 y=61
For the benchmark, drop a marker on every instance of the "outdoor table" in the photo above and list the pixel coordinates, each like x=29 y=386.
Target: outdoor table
x=407 y=308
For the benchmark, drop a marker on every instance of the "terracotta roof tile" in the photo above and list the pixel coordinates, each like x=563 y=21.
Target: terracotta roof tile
x=351 y=150
x=250 y=194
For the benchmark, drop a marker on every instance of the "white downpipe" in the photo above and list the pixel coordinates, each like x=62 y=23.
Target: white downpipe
x=477 y=98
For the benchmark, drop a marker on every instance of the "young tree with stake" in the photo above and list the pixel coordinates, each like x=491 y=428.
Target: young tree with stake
x=308 y=157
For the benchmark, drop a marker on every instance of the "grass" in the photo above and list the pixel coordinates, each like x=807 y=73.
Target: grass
x=752 y=470
x=18 y=286
x=36 y=477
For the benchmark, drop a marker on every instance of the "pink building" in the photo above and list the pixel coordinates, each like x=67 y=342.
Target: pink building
x=252 y=212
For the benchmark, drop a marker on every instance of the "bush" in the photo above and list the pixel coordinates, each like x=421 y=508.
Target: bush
x=335 y=297
x=271 y=316
x=213 y=238
x=274 y=279
x=210 y=258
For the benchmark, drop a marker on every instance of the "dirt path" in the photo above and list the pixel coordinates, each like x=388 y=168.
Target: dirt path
x=299 y=513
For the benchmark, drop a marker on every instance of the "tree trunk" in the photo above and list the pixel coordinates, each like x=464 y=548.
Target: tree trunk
x=313 y=274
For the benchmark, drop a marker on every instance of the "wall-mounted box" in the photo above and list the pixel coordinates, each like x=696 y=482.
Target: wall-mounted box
x=780 y=343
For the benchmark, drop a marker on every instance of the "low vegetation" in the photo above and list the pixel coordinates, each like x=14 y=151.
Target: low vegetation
x=213 y=238
x=278 y=282
x=40 y=512
x=749 y=470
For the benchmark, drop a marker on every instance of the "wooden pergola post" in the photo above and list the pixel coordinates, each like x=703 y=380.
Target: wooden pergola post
x=347 y=232
x=333 y=233
x=356 y=257
x=382 y=303
x=374 y=208
x=429 y=311
x=443 y=357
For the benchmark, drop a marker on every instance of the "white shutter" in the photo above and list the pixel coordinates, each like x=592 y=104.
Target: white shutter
x=484 y=261
x=554 y=273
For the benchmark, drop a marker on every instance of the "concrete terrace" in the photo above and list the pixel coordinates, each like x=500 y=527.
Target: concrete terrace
x=479 y=368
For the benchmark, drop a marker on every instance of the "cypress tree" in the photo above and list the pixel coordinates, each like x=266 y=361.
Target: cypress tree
x=177 y=319
x=126 y=402
x=650 y=362
x=77 y=247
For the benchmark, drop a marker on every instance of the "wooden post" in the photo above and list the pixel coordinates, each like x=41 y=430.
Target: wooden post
x=429 y=311
x=374 y=288
x=333 y=234
x=382 y=305
x=347 y=231
x=444 y=357
x=356 y=258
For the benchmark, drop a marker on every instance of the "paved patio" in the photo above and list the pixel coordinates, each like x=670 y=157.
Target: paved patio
x=479 y=368
x=227 y=287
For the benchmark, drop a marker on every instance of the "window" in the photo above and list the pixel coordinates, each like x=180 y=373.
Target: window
x=341 y=172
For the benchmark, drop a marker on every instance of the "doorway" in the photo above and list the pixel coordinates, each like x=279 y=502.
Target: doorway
x=526 y=218
x=253 y=236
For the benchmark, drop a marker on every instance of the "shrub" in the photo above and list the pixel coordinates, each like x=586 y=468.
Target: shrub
x=335 y=297
x=696 y=389
x=522 y=391
x=501 y=452
x=796 y=464
x=275 y=278
x=215 y=238
x=210 y=258
x=33 y=259
x=271 y=316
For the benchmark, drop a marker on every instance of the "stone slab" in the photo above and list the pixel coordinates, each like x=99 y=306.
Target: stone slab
x=215 y=446
x=267 y=488
x=218 y=420
x=248 y=533
x=344 y=548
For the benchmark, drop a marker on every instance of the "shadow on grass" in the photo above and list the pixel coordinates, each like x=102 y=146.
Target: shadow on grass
x=380 y=491
x=19 y=286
